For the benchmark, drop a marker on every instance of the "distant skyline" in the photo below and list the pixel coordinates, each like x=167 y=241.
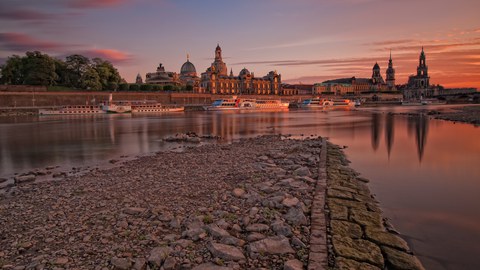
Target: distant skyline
x=306 y=41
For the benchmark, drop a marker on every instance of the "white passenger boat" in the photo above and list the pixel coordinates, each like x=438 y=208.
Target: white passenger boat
x=247 y=104
x=317 y=103
x=343 y=103
x=73 y=110
x=117 y=106
x=156 y=108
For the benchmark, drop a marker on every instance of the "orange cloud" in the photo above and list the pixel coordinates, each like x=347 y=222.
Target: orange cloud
x=112 y=55
x=19 y=42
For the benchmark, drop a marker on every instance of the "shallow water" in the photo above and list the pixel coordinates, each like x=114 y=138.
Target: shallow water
x=424 y=172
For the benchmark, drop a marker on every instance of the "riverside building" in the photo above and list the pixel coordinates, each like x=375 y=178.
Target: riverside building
x=215 y=80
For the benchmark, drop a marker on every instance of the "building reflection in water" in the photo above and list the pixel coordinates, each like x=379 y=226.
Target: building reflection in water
x=389 y=132
x=376 y=130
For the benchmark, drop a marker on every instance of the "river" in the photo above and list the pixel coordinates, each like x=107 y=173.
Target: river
x=424 y=172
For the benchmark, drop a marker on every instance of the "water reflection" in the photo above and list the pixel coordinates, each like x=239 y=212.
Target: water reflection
x=376 y=130
x=418 y=125
x=389 y=132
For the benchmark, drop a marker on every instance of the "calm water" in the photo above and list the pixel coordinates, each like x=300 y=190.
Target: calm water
x=425 y=172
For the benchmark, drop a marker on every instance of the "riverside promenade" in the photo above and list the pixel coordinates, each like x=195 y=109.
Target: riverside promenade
x=263 y=203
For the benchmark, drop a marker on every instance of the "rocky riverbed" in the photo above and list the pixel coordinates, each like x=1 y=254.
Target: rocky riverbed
x=239 y=206
x=254 y=204
x=469 y=114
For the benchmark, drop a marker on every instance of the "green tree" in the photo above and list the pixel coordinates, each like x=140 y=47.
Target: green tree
x=168 y=87
x=90 y=80
x=12 y=70
x=77 y=66
x=107 y=73
x=39 y=69
x=157 y=87
x=146 y=87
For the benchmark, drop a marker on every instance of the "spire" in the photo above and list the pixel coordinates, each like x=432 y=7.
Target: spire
x=390 y=54
x=231 y=72
x=188 y=57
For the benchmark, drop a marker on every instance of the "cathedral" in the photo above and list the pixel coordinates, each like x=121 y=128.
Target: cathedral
x=418 y=86
x=215 y=80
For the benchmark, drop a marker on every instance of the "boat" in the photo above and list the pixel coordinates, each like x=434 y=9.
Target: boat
x=342 y=103
x=316 y=103
x=155 y=108
x=73 y=110
x=117 y=106
x=267 y=104
x=235 y=103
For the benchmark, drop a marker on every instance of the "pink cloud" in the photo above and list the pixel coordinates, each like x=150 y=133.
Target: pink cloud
x=20 y=43
x=112 y=55
x=95 y=3
x=26 y=15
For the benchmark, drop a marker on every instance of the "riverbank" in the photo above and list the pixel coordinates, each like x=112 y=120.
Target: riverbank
x=468 y=114
x=250 y=204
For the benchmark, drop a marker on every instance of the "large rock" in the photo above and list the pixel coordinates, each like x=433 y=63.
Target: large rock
x=121 y=263
x=386 y=239
x=401 y=260
x=345 y=228
x=226 y=252
x=343 y=263
x=25 y=178
x=272 y=245
x=366 y=218
x=134 y=211
x=217 y=232
x=238 y=192
x=293 y=265
x=302 y=171
x=290 y=201
x=195 y=234
x=296 y=217
x=158 y=255
x=357 y=249
x=280 y=228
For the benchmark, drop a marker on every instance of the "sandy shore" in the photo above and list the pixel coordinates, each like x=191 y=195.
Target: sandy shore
x=469 y=114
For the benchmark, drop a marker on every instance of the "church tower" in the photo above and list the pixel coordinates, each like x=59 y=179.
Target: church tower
x=139 y=79
x=220 y=66
x=390 y=74
x=376 y=76
x=421 y=80
x=422 y=69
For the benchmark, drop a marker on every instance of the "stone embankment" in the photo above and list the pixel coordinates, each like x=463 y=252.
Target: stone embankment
x=359 y=238
x=241 y=206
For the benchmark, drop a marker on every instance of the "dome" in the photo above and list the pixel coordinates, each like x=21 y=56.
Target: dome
x=376 y=66
x=244 y=72
x=188 y=69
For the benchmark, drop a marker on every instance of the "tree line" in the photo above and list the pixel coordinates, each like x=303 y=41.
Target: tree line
x=77 y=71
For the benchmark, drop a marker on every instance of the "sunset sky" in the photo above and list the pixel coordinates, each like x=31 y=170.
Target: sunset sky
x=306 y=41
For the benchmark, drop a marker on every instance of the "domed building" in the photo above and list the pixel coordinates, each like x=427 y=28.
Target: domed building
x=216 y=81
x=162 y=77
x=188 y=74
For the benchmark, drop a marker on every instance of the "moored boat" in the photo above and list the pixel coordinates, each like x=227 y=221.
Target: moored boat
x=343 y=103
x=316 y=103
x=156 y=108
x=73 y=110
x=247 y=104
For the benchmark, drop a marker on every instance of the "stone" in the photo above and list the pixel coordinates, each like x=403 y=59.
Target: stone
x=338 y=211
x=169 y=263
x=302 y=171
x=366 y=218
x=255 y=237
x=238 y=192
x=273 y=245
x=140 y=264
x=293 y=265
x=341 y=194
x=298 y=243
x=61 y=261
x=175 y=223
x=253 y=211
x=357 y=249
x=25 y=178
x=290 y=201
x=386 y=239
x=216 y=231
x=400 y=260
x=195 y=234
x=134 y=211
x=296 y=217
x=3 y=180
x=158 y=255
x=233 y=241
x=280 y=228
x=345 y=228
x=184 y=243
x=343 y=263
x=258 y=227
x=120 y=263
x=210 y=266
x=226 y=252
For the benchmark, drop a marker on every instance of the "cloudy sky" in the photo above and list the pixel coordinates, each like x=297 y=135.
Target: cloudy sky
x=305 y=40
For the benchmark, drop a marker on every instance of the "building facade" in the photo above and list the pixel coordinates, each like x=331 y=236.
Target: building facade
x=418 y=86
x=215 y=80
x=162 y=77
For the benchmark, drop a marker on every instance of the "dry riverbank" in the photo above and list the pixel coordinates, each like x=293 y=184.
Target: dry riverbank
x=469 y=114
x=247 y=205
